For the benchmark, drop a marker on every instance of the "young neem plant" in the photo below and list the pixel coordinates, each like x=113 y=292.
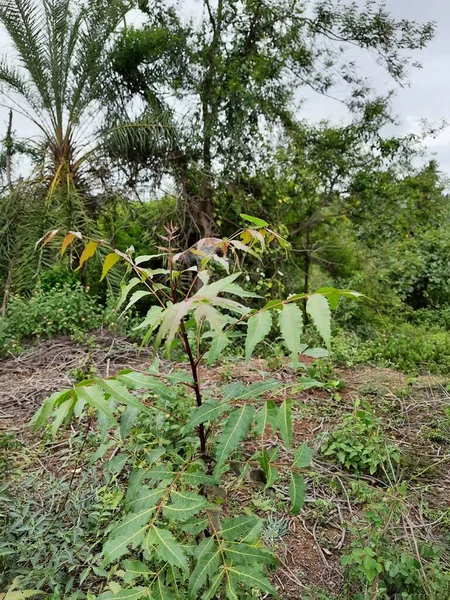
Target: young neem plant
x=172 y=541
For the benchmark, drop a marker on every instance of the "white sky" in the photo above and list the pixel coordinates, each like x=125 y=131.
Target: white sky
x=427 y=96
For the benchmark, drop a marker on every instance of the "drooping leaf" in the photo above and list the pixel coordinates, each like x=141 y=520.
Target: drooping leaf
x=235 y=430
x=219 y=342
x=167 y=547
x=217 y=287
x=258 y=326
x=126 y=288
x=87 y=253
x=94 y=396
x=134 y=298
x=302 y=456
x=108 y=264
x=210 y=314
x=319 y=310
x=297 y=492
x=67 y=241
x=284 y=422
x=42 y=415
x=290 y=321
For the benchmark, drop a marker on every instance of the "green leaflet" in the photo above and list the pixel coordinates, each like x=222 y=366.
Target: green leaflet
x=302 y=456
x=208 y=562
x=167 y=547
x=267 y=415
x=119 y=392
x=211 y=593
x=127 y=420
x=184 y=505
x=134 y=281
x=254 y=220
x=284 y=422
x=258 y=326
x=140 y=381
x=319 y=310
x=238 y=391
x=290 y=321
x=153 y=317
x=251 y=578
x=144 y=498
x=245 y=554
x=219 y=342
x=235 y=429
x=238 y=528
x=129 y=594
x=297 y=492
x=42 y=415
x=206 y=312
x=198 y=478
x=160 y=592
x=134 y=298
x=213 y=289
x=63 y=413
x=94 y=395
x=209 y=411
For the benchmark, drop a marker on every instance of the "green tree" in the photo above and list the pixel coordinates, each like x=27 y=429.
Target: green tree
x=236 y=73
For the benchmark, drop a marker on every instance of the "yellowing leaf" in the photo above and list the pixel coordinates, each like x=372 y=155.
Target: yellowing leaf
x=88 y=252
x=110 y=261
x=67 y=240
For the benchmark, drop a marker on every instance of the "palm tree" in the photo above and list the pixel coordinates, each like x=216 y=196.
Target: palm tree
x=54 y=79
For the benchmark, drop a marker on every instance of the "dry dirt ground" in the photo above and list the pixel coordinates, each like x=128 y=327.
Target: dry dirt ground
x=310 y=550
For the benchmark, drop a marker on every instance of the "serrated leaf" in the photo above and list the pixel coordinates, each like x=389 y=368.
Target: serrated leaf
x=258 y=326
x=128 y=420
x=238 y=528
x=108 y=264
x=302 y=456
x=213 y=289
x=167 y=547
x=234 y=430
x=297 y=492
x=41 y=417
x=319 y=310
x=152 y=319
x=119 y=392
x=199 y=478
x=161 y=592
x=184 y=505
x=245 y=554
x=284 y=422
x=126 y=288
x=208 y=560
x=267 y=415
x=87 y=253
x=134 y=298
x=290 y=321
x=210 y=314
x=63 y=413
x=208 y=411
x=144 y=498
x=252 y=578
x=211 y=593
x=316 y=352
x=94 y=396
x=218 y=344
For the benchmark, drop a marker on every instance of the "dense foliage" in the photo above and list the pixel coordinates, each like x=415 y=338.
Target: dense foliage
x=161 y=128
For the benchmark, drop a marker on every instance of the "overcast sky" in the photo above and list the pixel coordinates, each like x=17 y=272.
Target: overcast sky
x=427 y=97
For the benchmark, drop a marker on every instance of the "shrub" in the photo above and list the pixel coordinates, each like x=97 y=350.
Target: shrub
x=359 y=445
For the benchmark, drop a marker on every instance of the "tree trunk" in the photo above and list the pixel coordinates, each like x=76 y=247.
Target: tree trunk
x=307 y=271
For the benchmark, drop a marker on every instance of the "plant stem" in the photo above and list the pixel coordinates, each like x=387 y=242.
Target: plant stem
x=196 y=386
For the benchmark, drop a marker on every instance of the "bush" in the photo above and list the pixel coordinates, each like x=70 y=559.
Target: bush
x=65 y=309
x=359 y=445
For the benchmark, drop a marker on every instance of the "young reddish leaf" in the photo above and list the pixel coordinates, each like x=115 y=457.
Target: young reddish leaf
x=88 y=252
x=110 y=261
